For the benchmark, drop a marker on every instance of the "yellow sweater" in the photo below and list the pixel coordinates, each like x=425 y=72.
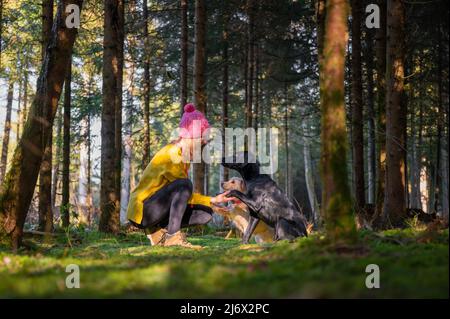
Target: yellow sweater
x=161 y=171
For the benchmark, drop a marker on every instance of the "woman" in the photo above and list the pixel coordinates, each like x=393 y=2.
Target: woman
x=163 y=201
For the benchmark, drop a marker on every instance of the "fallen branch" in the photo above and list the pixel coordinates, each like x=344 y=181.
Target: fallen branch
x=37 y=232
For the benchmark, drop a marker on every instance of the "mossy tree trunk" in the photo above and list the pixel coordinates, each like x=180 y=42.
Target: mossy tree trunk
x=336 y=202
x=394 y=201
x=21 y=178
x=45 y=173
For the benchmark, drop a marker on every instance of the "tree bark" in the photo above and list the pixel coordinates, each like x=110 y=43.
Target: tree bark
x=416 y=166
x=288 y=179
x=394 y=202
x=309 y=176
x=65 y=201
x=357 y=109
x=21 y=177
x=251 y=63
x=89 y=201
x=320 y=18
x=45 y=173
x=19 y=107
x=199 y=82
x=47 y=22
x=146 y=143
x=257 y=88
x=1 y=30
x=56 y=167
x=381 y=114
x=371 y=149
x=128 y=128
x=439 y=167
x=6 y=131
x=184 y=54
x=25 y=95
x=111 y=148
x=225 y=174
x=337 y=202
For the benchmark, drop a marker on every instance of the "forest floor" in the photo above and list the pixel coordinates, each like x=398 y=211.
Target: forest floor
x=414 y=263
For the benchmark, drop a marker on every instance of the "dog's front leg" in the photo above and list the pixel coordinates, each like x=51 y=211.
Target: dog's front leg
x=252 y=223
x=251 y=204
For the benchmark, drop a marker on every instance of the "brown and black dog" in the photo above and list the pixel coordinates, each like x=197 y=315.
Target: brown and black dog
x=239 y=214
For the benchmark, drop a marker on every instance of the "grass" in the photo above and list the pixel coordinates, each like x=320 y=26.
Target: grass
x=413 y=264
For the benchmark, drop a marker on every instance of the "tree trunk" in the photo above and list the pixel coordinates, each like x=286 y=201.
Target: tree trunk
x=257 y=88
x=65 y=202
x=19 y=108
x=357 y=109
x=440 y=141
x=89 y=202
x=288 y=179
x=225 y=171
x=146 y=143
x=337 y=202
x=25 y=95
x=47 y=22
x=6 y=132
x=45 y=173
x=1 y=30
x=394 y=201
x=309 y=175
x=55 y=174
x=371 y=149
x=128 y=140
x=444 y=144
x=416 y=166
x=82 y=172
x=381 y=113
x=21 y=178
x=184 y=54
x=320 y=17
x=251 y=63
x=111 y=148
x=199 y=82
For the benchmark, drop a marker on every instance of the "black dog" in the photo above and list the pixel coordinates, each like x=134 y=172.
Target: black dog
x=265 y=200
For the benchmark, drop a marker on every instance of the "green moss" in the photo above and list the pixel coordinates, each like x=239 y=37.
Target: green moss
x=125 y=266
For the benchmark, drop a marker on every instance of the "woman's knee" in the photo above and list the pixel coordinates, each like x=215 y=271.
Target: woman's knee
x=183 y=185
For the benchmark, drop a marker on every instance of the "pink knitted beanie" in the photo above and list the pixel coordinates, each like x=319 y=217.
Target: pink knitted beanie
x=193 y=123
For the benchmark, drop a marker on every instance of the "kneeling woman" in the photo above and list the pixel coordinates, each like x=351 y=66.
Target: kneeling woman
x=163 y=201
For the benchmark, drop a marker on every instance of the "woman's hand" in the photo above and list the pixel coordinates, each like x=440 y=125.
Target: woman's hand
x=221 y=198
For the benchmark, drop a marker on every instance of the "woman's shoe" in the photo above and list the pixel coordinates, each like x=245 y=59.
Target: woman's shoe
x=179 y=239
x=157 y=237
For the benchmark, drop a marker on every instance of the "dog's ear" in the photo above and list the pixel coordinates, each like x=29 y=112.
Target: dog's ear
x=242 y=185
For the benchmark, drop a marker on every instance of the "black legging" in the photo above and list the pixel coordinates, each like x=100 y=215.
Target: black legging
x=168 y=207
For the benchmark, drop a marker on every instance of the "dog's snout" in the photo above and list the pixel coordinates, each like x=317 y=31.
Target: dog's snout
x=222 y=184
